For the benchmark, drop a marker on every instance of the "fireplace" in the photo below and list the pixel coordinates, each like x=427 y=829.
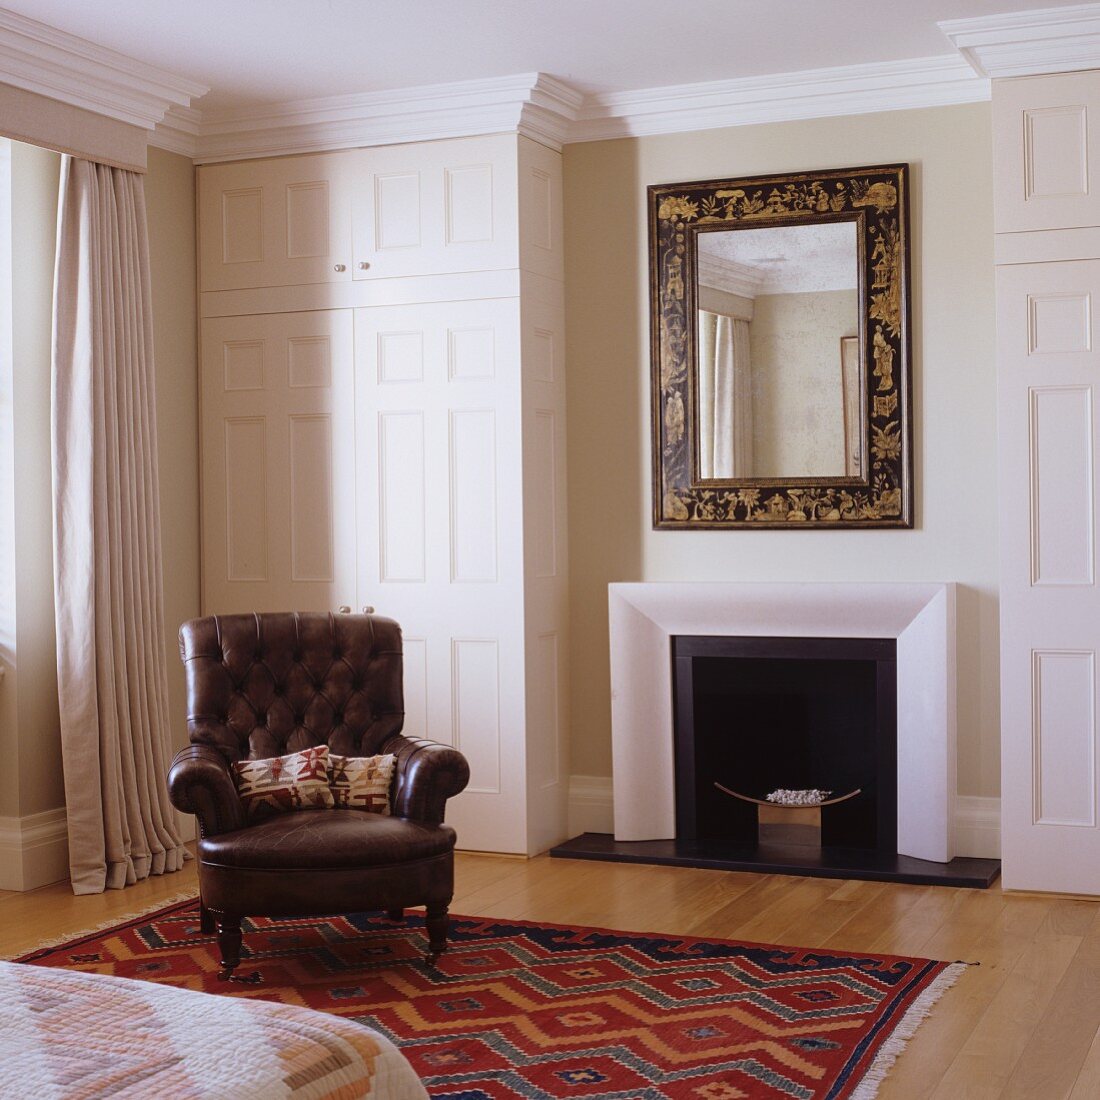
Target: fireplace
x=753 y=715
x=853 y=626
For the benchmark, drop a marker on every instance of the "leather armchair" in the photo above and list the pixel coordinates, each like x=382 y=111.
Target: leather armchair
x=264 y=685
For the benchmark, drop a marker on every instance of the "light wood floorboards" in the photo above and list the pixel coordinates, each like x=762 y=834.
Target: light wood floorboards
x=1024 y=1025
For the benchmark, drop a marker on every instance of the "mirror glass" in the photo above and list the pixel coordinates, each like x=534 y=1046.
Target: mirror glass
x=778 y=374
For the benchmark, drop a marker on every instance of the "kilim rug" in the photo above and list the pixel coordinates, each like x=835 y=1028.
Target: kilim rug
x=520 y=1009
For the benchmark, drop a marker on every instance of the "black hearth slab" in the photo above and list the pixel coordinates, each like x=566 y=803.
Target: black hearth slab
x=774 y=859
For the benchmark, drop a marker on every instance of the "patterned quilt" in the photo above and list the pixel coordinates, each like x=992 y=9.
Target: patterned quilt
x=66 y=1035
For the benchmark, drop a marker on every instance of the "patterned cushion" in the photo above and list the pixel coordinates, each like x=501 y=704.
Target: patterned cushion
x=298 y=781
x=362 y=782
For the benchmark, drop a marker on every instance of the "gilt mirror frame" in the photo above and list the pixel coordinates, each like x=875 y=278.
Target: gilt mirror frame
x=876 y=200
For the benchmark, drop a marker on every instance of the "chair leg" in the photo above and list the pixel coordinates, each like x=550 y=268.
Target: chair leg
x=395 y=914
x=229 y=943
x=437 y=923
x=206 y=920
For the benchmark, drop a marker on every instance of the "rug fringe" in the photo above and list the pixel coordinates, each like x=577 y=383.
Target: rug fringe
x=917 y=1013
x=103 y=926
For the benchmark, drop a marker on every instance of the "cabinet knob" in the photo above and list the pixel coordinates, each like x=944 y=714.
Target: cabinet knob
x=368 y=610
x=344 y=609
x=340 y=267
x=363 y=265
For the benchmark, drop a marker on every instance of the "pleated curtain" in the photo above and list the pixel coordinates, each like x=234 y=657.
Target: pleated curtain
x=111 y=663
x=725 y=397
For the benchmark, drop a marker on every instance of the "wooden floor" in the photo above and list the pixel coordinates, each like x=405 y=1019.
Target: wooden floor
x=1024 y=1024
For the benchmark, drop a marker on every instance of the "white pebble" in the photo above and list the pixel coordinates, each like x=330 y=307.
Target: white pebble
x=813 y=797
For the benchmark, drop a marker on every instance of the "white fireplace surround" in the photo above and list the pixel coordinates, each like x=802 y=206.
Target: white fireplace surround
x=921 y=616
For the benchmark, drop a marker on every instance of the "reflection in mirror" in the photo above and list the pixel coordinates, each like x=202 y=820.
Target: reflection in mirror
x=778 y=372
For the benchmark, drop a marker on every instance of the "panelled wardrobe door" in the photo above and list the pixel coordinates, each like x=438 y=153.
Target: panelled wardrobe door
x=438 y=427
x=1046 y=211
x=435 y=208
x=1048 y=365
x=1046 y=152
x=285 y=221
x=278 y=461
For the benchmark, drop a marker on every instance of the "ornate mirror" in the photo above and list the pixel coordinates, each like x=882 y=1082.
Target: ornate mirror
x=780 y=343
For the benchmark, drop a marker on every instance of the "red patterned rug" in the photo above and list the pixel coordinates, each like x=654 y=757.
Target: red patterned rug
x=519 y=1009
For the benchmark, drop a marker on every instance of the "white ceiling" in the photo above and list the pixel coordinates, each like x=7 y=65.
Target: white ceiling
x=790 y=259
x=264 y=51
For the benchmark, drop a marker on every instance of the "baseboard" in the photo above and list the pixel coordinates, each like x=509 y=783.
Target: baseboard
x=590 y=805
x=977 y=820
x=978 y=827
x=34 y=850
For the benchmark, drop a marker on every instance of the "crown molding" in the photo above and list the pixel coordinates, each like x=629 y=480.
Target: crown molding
x=814 y=93
x=49 y=62
x=179 y=131
x=533 y=104
x=553 y=113
x=733 y=278
x=1027 y=43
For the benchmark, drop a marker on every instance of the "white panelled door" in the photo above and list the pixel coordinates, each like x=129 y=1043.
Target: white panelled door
x=436 y=207
x=1046 y=132
x=278 y=461
x=1050 y=609
x=438 y=425
x=1046 y=152
x=280 y=222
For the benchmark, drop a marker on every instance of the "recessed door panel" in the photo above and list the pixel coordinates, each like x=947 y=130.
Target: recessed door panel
x=1061 y=490
x=401 y=489
x=473 y=504
x=1064 y=737
x=312 y=506
x=246 y=528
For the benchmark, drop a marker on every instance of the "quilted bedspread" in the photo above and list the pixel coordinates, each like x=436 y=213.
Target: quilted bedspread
x=66 y=1034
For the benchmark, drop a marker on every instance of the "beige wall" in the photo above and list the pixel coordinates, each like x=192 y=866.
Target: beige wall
x=170 y=198
x=797 y=394
x=33 y=686
x=611 y=538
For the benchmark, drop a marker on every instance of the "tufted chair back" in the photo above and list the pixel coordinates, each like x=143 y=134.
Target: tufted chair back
x=264 y=685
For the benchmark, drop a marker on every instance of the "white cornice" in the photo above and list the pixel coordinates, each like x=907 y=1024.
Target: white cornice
x=42 y=59
x=1027 y=43
x=179 y=132
x=552 y=112
x=814 y=93
x=530 y=103
x=734 y=278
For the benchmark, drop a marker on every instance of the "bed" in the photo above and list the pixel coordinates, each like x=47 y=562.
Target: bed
x=67 y=1035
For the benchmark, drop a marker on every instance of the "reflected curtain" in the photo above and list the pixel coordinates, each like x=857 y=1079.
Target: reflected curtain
x=112 y=672
x=725 y=397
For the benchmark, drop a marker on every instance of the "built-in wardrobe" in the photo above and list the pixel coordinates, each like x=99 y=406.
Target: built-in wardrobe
x=383 y=426
x=1046 y=145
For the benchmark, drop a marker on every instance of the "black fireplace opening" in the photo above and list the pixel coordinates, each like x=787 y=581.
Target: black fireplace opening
x=759 y=714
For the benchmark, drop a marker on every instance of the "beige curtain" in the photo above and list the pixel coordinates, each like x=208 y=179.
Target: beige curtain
x=112 y=676
x=725 y=397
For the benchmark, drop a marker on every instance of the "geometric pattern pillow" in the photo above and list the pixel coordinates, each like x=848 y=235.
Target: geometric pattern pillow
x=298 y=781
x=362 y=782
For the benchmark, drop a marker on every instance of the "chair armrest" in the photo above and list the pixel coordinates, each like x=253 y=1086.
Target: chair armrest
x=427 y=774
x=199 y=783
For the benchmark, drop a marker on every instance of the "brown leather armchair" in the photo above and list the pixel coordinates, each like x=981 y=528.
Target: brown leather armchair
x=264 y=685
